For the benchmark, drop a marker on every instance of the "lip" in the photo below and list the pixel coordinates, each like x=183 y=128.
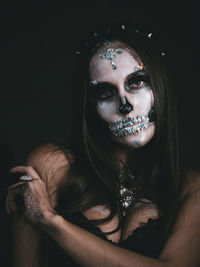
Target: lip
x=130 y=125
x=126 y=123
x=126 y=127
x=131 y=129
x=122 y=124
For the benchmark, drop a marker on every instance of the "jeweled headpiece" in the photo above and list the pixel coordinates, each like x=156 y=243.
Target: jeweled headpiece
x=110 y=54
x=102 y=37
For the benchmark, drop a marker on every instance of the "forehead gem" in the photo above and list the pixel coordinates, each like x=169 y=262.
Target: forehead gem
x=110 y=54
x=93 y=82
x=140 y=67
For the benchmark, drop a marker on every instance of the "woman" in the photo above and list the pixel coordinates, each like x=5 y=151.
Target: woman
x=117 y=197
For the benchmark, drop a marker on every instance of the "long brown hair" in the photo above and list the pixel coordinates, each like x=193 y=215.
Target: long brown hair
x=89 y=142
x=93 y=176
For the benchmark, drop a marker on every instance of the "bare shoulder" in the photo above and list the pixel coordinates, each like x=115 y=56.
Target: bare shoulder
x=48 y=154
x=52 y=163
x=183 y=244
x=191 y=196
x=191 y=184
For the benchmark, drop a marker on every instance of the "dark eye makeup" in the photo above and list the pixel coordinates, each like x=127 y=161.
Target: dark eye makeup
x=104 y=91
x=137 y=80
x=137 y=83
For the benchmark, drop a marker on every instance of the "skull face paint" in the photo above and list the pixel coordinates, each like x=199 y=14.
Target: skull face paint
x=129 y=83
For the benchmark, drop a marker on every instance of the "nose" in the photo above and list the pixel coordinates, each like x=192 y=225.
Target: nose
x=125 y=107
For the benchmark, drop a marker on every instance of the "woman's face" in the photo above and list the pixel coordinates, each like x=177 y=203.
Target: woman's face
x=121 y=91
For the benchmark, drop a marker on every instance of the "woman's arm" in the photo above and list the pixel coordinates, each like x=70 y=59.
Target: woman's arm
x=26 y=236
x=25 y=242
x=90 y=250
x=182 y=248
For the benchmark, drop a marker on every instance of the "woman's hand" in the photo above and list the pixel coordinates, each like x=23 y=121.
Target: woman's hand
x=30 y=198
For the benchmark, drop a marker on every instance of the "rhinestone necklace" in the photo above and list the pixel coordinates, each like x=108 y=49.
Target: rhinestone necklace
x=129 y=190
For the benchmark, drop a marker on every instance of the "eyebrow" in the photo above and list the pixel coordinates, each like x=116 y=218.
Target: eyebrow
x=140 y=72
x=137 y=73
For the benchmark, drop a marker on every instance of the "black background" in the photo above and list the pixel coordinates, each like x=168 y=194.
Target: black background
x=38 y=44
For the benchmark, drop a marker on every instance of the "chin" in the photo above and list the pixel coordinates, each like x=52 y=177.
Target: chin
x=138 y=139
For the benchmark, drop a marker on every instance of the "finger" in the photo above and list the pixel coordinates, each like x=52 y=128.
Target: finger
x=16 y=185
x=26 y=169
x=145 y=200
x=7 y=205
x=10 y=205
x=14 y=200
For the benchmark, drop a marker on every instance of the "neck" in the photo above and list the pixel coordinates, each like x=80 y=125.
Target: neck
x=133 y=159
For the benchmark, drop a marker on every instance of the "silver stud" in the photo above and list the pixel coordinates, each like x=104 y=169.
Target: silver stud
x=150 y=35
x=93 y=82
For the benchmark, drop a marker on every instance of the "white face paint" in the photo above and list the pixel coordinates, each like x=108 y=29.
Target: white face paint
x=128 y=82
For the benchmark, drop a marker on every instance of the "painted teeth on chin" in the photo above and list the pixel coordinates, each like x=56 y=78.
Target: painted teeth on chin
x=119 y=125
x=131 y=130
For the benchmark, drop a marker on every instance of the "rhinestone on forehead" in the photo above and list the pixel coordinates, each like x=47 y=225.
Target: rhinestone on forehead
x=93 y=82
x=140 y=67
x=110 y=54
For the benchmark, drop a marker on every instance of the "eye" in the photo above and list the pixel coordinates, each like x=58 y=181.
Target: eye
x=137 y=83
x=103 y=92
x=106 y=94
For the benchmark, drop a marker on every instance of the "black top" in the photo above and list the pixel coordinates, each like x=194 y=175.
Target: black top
x=147 y=240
